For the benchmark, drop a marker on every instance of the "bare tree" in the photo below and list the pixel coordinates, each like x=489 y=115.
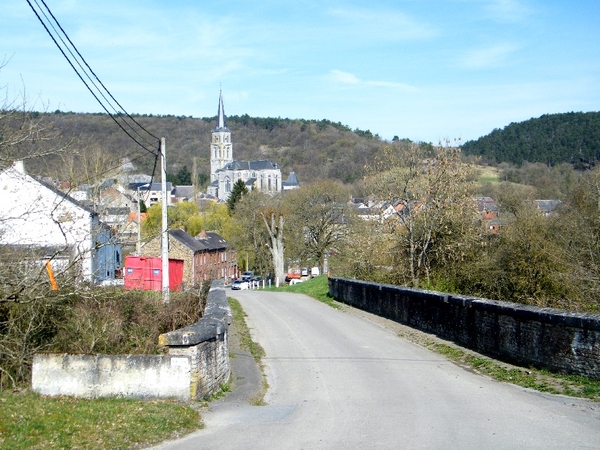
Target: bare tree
x=431 y=196
x=319 y=216
x=274 y=226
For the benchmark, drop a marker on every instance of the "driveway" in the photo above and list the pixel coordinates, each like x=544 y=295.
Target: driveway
x=340 y=380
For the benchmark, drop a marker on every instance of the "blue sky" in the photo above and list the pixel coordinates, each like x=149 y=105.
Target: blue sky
x=419 y=69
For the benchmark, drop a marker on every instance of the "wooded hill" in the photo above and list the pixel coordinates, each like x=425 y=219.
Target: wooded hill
x=550 y=139
x=313 y=149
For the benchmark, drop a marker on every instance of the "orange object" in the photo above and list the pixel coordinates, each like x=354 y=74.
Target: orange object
x=51 y=276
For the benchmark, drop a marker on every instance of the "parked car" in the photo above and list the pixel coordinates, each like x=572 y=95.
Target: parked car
x=247 y=275
x=240 y=285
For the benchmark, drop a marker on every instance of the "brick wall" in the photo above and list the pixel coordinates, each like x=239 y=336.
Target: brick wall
x=560 y=341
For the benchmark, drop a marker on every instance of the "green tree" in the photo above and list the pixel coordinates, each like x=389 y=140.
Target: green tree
x=239 y=189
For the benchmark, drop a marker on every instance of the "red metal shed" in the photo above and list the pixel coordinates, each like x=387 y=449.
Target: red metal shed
x=146 y=273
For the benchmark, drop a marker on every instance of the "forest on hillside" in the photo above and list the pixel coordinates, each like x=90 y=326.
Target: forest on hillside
x=550 y=139
x=313 y=149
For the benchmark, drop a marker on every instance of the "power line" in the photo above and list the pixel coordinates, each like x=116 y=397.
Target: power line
x=147 y=145
x=95 y=76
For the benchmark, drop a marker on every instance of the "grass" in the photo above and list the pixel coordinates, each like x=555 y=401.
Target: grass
x=31 y=421
x=487 y=174
x=317 y=288
x=540 y=380
x=246 y=343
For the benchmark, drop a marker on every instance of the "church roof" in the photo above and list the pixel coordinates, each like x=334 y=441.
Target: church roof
x=263 y=164
x=292 y=180
x=221 y=126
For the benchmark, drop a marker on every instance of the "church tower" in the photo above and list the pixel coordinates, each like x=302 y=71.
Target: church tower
x=221 y=149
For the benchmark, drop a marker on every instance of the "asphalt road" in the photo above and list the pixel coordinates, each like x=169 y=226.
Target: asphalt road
x=339 y=381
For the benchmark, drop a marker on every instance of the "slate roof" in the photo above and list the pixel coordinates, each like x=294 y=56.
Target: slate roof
x=547 y=206
x=292 y=180
x=205 y=241
x=263 y=164
x=221 y=126
x=184 y=191
x=187 y=240
x=212 y=240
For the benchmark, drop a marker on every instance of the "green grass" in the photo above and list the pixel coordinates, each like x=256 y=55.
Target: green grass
x=317 y=288
x=241 y=328
x=540 y=380
x=31 y=421
x=246 y=343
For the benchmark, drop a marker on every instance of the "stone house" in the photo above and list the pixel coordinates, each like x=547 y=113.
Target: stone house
x=206 y=257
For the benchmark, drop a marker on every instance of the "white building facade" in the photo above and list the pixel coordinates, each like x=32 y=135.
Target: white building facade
x=35 y=215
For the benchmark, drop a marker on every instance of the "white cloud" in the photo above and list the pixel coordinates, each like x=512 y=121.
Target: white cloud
x=341 y=77
x=489 y=57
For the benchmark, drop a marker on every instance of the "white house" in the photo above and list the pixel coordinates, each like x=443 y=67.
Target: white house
x=34 y=215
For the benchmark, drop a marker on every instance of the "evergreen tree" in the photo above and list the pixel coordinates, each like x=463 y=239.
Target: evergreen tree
x=239 y=189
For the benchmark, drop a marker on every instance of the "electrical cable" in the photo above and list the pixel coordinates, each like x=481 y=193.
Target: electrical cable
x=93 y=73
x=87 y=85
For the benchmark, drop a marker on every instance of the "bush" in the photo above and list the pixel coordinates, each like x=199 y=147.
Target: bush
x=93 y=320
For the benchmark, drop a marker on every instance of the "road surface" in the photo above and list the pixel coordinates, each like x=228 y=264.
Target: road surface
x=340 y=381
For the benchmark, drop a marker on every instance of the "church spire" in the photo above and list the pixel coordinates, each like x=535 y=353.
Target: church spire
x=221 y=114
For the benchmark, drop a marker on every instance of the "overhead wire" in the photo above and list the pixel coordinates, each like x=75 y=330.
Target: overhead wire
x=147 y=144
x=94 y=74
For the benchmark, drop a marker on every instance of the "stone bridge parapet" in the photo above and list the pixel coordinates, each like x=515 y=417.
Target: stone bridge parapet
x=553 y=339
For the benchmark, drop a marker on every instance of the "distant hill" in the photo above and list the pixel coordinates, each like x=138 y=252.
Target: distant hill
x=313 y=149
x=550 y=139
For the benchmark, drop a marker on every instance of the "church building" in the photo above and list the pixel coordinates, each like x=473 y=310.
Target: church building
x=263 y=175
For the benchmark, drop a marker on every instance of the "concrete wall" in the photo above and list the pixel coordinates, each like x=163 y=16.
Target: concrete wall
x=557 y=340
x=196 y=366
x=92 y=376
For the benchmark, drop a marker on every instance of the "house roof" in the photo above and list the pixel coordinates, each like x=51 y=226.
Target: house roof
x=547 y=206
x=205 y=241
x=187 y=240
x=184 y=191
x=212 y=240
x=292 y=180
x=58 y=192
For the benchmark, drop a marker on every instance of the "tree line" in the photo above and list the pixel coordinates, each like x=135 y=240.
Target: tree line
x=550 y=139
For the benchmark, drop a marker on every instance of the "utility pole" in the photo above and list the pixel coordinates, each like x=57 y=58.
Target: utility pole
x=138 y=248
x=165 y=228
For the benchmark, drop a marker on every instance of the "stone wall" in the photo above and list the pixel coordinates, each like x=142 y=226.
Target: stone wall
x=206 y=343
x=561 y=341
x=196 y=366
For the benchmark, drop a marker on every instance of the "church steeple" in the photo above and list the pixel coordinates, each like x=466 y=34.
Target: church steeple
x=221 y=148
x=221 y=115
